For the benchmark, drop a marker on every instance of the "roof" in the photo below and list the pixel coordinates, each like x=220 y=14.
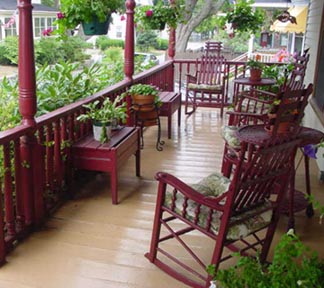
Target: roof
x=11 y=5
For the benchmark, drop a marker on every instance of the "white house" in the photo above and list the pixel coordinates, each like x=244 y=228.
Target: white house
x=43 y=18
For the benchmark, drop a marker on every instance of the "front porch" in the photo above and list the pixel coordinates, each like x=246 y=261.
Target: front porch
x=89 y=242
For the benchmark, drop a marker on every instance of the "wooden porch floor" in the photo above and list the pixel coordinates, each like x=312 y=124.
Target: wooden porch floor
x=91 y=243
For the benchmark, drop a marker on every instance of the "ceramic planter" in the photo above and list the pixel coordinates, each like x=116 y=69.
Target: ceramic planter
x=97 y=130
x=95 y=27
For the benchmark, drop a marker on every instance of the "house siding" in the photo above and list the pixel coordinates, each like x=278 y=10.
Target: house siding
x=313 y=114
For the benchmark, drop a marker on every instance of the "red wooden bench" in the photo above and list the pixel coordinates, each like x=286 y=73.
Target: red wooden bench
x=171 y=102
x=90 y=154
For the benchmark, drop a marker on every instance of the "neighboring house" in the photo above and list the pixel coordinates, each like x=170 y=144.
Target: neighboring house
x=314 y=40
x=43 y=18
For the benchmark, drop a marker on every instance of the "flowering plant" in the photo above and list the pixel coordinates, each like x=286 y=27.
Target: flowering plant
x=155 y=17
x=284 y=56
x=243 y=18
x=73 y=12
x=254 y=63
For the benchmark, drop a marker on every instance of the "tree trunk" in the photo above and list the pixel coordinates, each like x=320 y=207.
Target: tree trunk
x=196 y=12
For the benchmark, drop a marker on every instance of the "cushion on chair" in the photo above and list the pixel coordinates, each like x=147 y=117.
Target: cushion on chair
x=205 y=87
x=212 y=186
x=229 y=135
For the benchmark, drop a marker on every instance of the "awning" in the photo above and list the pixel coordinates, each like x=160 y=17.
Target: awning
x=301 y=16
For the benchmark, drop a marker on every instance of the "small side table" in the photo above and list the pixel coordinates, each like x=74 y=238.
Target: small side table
x=245 y=81
x=171 y=102
x=89 y=154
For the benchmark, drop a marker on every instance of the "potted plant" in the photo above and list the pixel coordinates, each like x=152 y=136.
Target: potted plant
x=293 y=265
x=155 y=17
x=255 y=67
x=103 y=115
x=243 y=18
x=94 y=15
x=143 y=95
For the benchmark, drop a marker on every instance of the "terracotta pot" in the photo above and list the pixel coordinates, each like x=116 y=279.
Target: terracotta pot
x=143 y=102
x=255 y=74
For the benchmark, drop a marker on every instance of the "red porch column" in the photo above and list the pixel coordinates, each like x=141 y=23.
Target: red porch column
x=129 y=41
x=172 y=39
x=29 y=149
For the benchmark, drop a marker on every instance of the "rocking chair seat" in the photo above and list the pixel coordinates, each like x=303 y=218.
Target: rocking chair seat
x=216 y=185
x=228 y=133
x=206 y=87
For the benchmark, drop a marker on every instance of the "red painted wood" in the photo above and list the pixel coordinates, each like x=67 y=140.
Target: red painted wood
x=8 y=193
x=26 y=67
x=20 y=217
x=129 y=41
x=2 y=236
x=90 y=154
x=171 y=102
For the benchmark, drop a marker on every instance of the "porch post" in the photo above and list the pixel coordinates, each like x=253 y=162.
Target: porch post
x=29 y=148
x=172 y=39
x=129 y=41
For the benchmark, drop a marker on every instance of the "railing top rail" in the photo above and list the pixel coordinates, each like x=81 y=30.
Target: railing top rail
x=14 y=133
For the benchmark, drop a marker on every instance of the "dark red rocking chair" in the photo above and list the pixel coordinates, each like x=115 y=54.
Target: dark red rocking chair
x=235 y=214
x=208 y=87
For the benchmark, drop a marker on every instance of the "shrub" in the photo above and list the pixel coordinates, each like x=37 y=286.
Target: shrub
x=9 y=51
x=145 y=40
x=113 y=55
x=48 y=50
x=161 y=44
x=103 y=43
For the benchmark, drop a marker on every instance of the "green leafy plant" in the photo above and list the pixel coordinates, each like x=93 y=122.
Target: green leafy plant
x=145 y=90
x=244 y=18
x=73 y=12
x=105 y=112
x=255 y=63
x=155 y=17
x=293 y=265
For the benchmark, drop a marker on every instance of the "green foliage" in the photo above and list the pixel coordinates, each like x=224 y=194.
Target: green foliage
x=9 y=51
x=278 y=72
x=9 y=112
x=48 y=50
x=161 y=44
x=74 y=12
x=103 y=42
x=244 y=18
x=113 y=55
x=294 y=265
x=145 y=40
x=154 y=17
x=105 y=112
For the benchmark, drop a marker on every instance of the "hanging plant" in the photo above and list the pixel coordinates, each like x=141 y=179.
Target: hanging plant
x=243 y=18
x=156 y=17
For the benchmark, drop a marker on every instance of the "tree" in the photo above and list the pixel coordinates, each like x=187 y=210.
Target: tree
x=195 y=12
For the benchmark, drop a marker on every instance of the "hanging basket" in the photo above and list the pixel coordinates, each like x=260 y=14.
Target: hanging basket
x=255 y=74
x=95 y=27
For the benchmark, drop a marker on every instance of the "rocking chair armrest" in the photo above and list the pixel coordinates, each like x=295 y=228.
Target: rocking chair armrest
x=247 y=95
x=257 y=93
x=191 y=78
x=187 y=191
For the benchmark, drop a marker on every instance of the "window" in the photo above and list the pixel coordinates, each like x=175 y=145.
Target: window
x=39 y=26
x=11 y=30
x=119 y=33
x=43 y=23
x=283 y=40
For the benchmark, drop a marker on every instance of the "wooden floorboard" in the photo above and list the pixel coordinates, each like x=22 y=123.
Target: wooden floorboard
x=91 y=243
